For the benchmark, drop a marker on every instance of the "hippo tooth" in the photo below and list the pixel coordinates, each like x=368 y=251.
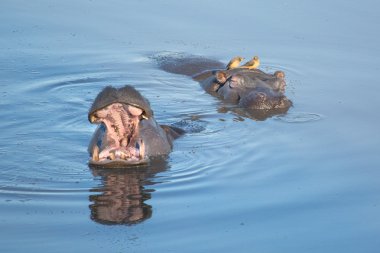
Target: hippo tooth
x=92 y=119
x=112 y=156
x=124 y=142
x=142 y=149
x=118 y=153
x=95 y=153
x=122 y=156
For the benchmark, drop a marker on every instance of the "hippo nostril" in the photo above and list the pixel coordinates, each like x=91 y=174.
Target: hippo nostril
x=260 y=96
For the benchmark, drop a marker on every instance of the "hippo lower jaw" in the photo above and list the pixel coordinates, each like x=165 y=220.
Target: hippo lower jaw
x=115 y=157
x=120 y=144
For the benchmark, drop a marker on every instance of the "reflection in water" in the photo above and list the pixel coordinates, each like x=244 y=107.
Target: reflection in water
x=299 y=117
x=258 y=115
x=121 y=198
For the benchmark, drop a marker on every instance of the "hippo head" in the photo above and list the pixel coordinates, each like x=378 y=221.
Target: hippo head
x=264 y=99
x=119 y=113
x=253 y=89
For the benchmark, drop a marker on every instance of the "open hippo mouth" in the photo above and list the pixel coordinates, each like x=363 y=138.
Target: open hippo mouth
x=120 y=143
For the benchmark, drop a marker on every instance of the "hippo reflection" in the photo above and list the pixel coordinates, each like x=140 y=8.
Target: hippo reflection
x=121 y=198
x=259 y=94
x=128 y=133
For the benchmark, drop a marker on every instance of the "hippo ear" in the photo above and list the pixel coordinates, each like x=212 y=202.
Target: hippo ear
x=279 y=74
x=221 y=77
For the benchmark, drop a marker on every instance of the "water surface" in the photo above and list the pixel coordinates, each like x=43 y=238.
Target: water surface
x=307 y=181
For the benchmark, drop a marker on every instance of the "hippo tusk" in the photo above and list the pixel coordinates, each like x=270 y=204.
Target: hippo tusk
x=112 y=155
x=92 y=119
x=95 y=153
x=142 y=149
x=124 y=142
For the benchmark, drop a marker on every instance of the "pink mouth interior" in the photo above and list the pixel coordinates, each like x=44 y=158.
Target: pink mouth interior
x=120 y=141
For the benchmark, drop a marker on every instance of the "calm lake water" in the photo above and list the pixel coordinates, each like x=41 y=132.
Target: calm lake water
x=308 y=181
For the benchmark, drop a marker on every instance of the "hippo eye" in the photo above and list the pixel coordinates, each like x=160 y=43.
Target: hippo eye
x=233 y=83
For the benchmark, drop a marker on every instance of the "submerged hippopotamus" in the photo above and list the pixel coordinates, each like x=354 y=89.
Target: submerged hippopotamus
x=260 y=94
x=127 y=134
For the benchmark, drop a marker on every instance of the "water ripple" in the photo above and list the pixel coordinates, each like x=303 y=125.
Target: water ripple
x=41 y=191
x=299 y=117
x=50 y=138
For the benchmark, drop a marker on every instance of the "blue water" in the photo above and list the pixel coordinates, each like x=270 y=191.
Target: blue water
x=308 y=181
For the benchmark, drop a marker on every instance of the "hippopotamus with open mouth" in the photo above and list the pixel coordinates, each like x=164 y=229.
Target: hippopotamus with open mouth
x=259 y=94
x=128 y=133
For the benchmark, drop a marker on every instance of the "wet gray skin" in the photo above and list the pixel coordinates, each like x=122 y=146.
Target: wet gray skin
x=259 y=93
x=252 y=89
x=127 y=133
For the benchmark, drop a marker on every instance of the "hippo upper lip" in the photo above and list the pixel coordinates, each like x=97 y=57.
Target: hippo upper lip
x=125 y=95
